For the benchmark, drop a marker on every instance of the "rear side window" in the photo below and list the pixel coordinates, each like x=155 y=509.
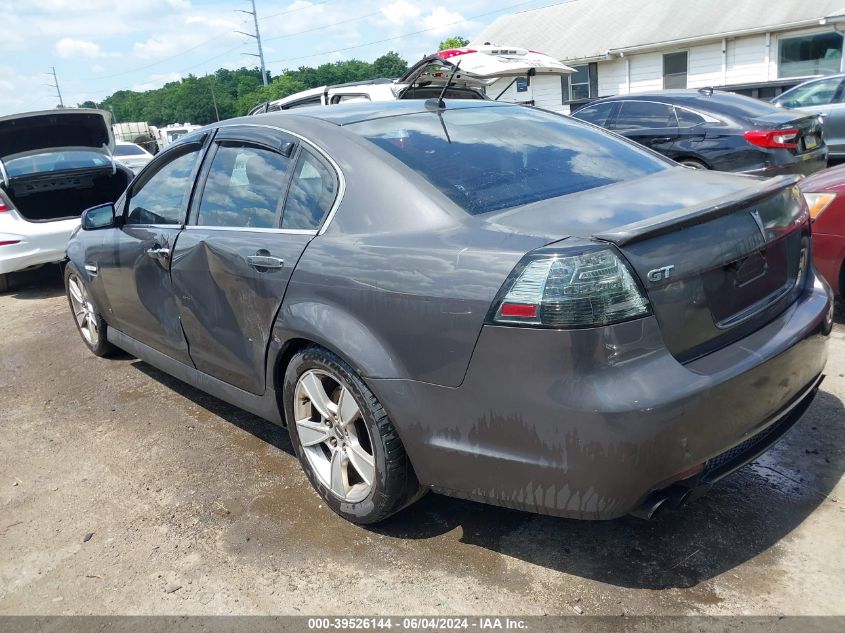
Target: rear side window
x=490 y=158
x=244 y=188
x=311 y=195
x=688 y=118
x=596 y=114
x=161 y=198
x=644 y=115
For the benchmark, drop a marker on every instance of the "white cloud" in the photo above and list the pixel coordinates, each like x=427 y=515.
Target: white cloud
x=443 y=21
x=400 y=12
x=69 y=48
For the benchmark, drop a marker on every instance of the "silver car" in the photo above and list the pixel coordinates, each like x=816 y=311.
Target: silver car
x=825 y=97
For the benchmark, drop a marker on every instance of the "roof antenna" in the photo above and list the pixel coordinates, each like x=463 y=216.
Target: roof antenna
x=440 y=103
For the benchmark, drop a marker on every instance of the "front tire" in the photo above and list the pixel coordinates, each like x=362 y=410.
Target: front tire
x=346 y=444
x=91 y=326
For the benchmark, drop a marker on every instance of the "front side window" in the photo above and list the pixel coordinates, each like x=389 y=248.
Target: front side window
x=490 y=158
x=816 y=54
x=311 y=194
x=675 y=70
x=815 y=93
x=161 y=197
x=244 y=188
x=595 y=114
x=644 y=115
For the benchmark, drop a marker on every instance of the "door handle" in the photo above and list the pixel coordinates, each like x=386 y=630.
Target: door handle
x=662 y=139
x=265 y=261
x=159 y=252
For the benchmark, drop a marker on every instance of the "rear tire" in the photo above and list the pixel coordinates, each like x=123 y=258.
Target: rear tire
x=91 y=326
x=693 y=163
x=4 y=282
x=346 y=444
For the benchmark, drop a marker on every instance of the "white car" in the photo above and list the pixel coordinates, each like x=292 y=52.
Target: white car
x=474 y=69
x=132 y=155
x=53 y=166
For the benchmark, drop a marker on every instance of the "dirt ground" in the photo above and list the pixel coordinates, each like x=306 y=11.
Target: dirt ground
x=124 y=491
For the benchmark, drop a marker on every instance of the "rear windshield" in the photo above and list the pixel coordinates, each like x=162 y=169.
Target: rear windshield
x=128 y=150
x=55 y=161
x=732 y=104
x=486 y=159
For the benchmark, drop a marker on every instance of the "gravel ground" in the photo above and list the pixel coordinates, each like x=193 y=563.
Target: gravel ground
x=124 y=491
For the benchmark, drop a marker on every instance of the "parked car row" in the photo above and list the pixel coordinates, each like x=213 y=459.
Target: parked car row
x=553 y=319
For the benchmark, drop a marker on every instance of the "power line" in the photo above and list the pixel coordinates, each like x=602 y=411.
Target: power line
x=320 y=28
x=257 y=36
x=404 y=35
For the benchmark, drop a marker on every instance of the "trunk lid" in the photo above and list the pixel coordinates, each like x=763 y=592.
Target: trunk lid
x=481 y=66
x=718 y=255
x=55 y=130
x=808 y=125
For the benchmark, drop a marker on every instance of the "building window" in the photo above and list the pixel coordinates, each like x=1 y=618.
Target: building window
x=675 y=70
x=580 y=85
x=816 y=54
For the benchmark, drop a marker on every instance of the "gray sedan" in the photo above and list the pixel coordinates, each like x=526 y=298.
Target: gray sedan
x=484 y=300
x=825 y=97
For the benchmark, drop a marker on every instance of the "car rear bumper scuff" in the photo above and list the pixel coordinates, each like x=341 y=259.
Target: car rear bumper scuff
x=608 y=416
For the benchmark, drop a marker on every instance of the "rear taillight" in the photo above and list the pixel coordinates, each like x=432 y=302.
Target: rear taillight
x=818 y=202
x=566 y=289
x=773 y=139
x=3 y=205
x=9 y=242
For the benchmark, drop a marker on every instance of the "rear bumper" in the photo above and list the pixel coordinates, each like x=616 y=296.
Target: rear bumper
x=37 y=243
x=802 y=165
x=587 y=424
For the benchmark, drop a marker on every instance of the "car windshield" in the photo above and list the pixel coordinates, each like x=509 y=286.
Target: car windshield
x=55 y=161
x=486 y=159
x=813 y=93
x=128 y=150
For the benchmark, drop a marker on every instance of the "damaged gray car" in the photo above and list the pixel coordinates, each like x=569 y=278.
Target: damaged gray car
x=485 y=300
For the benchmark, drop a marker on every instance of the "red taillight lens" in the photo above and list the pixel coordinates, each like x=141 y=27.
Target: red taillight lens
x=9 y=242
x=455 y=52
x=577 y=287
x=773 y=139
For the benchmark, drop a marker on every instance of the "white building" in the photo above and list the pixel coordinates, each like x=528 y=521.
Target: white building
x=756 y=47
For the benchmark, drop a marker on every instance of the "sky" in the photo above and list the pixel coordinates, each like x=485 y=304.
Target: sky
x=100 y=46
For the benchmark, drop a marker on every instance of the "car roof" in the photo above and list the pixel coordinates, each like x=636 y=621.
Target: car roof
x=347 y=113
x=705 y=99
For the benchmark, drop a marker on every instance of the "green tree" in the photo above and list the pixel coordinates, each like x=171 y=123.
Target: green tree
x=87 y=104
x=390 y=65
x=453 y=42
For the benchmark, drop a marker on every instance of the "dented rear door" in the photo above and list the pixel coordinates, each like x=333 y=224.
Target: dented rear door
x=233 y=261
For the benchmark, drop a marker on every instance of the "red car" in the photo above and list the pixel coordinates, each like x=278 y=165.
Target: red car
x=825 y=193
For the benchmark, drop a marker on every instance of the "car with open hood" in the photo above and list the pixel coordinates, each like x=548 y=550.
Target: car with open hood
x=482 y=299
x=467 y=71
x=53 y=165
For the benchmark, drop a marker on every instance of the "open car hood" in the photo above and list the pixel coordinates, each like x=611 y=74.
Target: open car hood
x=55 y=130
x=481 y=66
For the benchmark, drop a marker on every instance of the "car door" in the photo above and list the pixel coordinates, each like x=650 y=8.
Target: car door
x=135 y=260
x=649 y=123
x=264 y=196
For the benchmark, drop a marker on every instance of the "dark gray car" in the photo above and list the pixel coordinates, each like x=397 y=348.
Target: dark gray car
x=486 y=300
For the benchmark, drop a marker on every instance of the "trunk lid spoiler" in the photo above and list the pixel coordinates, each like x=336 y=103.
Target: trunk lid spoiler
x=691 y=215
x=481 y=66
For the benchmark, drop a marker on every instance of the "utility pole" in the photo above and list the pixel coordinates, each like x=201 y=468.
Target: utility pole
x=55 y=85
x=213 y=98
x=257 y=36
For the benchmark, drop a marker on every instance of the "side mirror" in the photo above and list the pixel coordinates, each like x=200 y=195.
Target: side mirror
x=99 y=217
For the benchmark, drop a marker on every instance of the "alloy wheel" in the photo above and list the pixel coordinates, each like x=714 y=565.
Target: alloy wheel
x=83 y=310
x=333 y=435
